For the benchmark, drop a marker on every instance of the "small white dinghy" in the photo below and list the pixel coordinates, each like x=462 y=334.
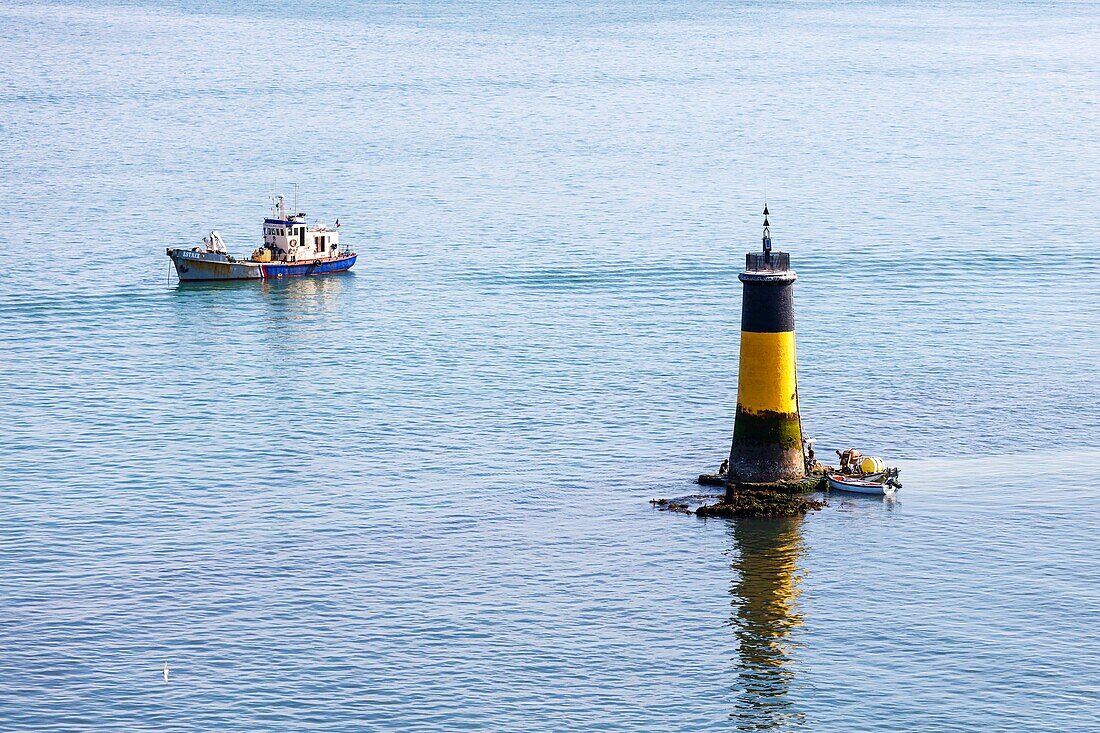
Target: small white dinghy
x=880 y=484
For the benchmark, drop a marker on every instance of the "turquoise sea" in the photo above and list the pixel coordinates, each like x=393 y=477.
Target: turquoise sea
x=415 y=497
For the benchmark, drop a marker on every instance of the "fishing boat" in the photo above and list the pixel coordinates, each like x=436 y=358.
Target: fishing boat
x=290 y=248
x=862 y=474
x=874 y=484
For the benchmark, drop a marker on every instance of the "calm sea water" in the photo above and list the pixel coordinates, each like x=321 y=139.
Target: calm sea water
x=415 y=497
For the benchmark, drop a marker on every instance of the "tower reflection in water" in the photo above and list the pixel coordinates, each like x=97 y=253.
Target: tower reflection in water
x=764 y=594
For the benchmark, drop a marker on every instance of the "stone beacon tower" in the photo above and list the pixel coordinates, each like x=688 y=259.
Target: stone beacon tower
x=767 y=432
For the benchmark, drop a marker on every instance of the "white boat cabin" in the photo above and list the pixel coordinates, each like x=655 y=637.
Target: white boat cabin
x=287 y=238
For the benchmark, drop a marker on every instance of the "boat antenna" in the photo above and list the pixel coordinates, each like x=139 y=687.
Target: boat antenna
x=295 y=198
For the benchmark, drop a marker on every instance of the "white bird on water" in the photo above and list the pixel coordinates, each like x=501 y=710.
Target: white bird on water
x=165 y=670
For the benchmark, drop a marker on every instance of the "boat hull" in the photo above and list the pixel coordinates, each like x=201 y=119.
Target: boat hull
x=198 y=265
x=192 y=265
x=855 y=486
x=302 y=269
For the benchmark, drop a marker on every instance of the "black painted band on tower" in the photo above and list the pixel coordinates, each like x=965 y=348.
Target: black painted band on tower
x=769 y=308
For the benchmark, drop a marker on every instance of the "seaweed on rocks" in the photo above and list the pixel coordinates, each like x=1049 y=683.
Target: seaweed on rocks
x=782 y=499
x=761 y=503
x=814 y=481
x=671 y=505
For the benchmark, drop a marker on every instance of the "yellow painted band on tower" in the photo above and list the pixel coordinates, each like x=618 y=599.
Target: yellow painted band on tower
x=766 y=379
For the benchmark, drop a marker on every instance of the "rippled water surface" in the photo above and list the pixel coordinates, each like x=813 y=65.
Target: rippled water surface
x=415 y=497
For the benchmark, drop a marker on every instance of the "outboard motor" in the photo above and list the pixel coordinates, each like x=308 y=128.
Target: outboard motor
x=892 y=478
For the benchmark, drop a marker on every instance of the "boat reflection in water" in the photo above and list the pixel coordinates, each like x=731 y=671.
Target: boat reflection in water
x=311 y=292
x=309 y=298
x=765 y=592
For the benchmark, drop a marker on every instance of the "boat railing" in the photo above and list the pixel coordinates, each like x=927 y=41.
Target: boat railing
x=767 y=262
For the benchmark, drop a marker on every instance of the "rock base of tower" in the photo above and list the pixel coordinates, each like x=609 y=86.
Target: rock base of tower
x=761 y=501
x=779 y=499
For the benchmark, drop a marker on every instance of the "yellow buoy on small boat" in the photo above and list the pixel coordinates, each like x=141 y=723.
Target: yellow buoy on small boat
x=872 y=464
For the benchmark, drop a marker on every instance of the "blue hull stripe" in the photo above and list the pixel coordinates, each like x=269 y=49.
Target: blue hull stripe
x=291 y=269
